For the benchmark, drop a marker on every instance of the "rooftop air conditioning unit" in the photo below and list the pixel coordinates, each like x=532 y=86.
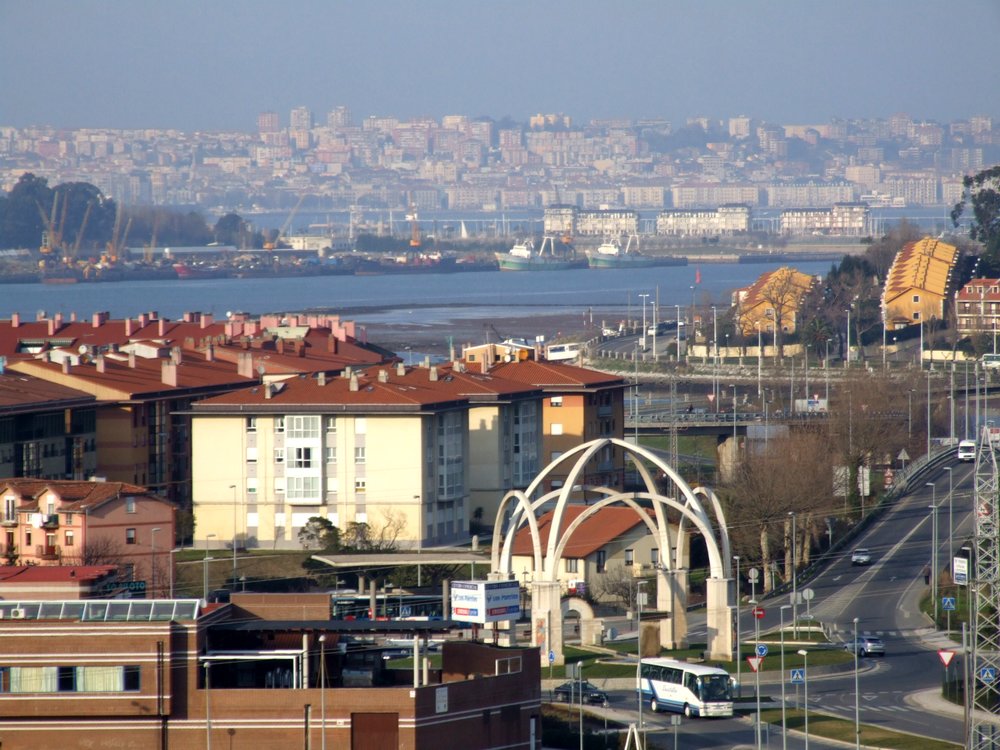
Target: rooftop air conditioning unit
x=17 y=614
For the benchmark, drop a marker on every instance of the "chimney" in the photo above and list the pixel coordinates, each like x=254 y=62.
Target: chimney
x=143 y=320
x=52 y=327
x=175 y=355
x=321 y=379
x=168 y=373
x=99 y=362
x=433 y=372
x=383 y=376
x=161 y=328
x=244 y=365
x=331 y=344
x=188 y=317
x=347 y=372
x=128 y=326
x=66 y=366
x=400 y=370
x=15 y=320
x=268 y=390
x=354 y=383
x=206 y=320
x=131 y=360
x=59 y=320
x=96 y=320
x=279 y=346
x=210 y=353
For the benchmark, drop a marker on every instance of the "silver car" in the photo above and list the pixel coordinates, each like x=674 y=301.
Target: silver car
x=861 y=556
x=866 y=645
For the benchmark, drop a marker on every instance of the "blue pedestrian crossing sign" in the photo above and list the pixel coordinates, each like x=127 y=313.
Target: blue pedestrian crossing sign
x=552 y=656
x=761 y=650
x=798 y=676
x=948 y=603
x=988 y=675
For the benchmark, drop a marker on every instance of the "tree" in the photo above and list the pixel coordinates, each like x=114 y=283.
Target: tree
x=21 y=224
x=101 y=551
x=616 y=584
x=783 y=293
x=361 y=536
x=982 y=191
x=320 y=534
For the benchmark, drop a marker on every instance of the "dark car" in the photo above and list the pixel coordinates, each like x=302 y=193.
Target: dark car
x=570 y=691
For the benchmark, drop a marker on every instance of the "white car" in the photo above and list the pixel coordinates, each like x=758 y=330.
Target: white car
x=861 y=556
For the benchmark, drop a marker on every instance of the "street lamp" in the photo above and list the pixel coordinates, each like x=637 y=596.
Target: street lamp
x=857 y=699
x=805 y=682
x=204 y=570
x=826 y=372
x=739 y=654
x=951 y=527
x=934 y=545
x=847 y=361
x=784 y=732
x=795 y=593
x=208 y=710
x=152 y=564
x=909 y=415
x=638 y=645
x=760 y=358
x=233 y=488
x=322 y=690
x=642 y=338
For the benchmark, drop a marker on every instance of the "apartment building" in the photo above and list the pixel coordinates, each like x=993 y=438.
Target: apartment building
x=266 y=671
x=51 y=522
x=772 y=302
x=842 y=219
x=977 y=307
x=919 y=283
x=704 y=222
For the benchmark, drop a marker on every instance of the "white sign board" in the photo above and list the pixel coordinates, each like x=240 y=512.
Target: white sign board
x=960 y=570
x=481 y=602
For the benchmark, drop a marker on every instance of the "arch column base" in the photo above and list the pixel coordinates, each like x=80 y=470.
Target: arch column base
x=547 y=621
x=719 y=620
x=671 y=597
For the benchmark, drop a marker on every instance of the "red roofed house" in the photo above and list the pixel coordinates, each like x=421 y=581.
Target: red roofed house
x=613 y=540
x=57 y=582
x=50 y=522
x=977 y=307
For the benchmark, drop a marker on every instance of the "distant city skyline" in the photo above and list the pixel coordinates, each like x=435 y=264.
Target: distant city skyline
x=216 y=66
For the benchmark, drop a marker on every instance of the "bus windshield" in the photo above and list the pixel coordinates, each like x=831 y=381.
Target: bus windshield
x=714 y=687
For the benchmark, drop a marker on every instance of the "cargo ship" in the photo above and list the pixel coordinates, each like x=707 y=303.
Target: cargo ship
x=611 y=254
x=548 y=257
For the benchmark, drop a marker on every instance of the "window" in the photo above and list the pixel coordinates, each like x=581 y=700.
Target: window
x=557 y=428
x=654 y=556
x=572 y=565
x=916 y=297
x=279 y=455
x=556 y=401
x=10 y=509
x=27 y=538
x=359 y=454
x=302 y=488
x=331 y=425
x=629 y=557
x=251 y=424
x=279 y=424
x=301 y=458
x=129 y=536
x=69 y=539
x=302 y=427
x=331 y=454
x=130 y=505
x=360 y=485
x=601 y=560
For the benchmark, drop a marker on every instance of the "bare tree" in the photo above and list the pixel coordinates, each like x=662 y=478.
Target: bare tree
x=783 y=293
x=616 y=584
x=382 y=537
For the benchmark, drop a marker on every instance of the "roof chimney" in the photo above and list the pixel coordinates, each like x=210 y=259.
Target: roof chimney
x=15 y=320
x=168 y=373
x=161 y=327
x=244 y=365
x=210 y=353
x=383 y=376
x=332 y=342
x=128 y=326
x=354 y=382
x=400 y=369
x=321 y=379
x=207 y=319
x=433 y=372
x=52 y=327
x=268 y=390
x=175 y=355
x=131 y=360
x=66 y=366
x=99 y=362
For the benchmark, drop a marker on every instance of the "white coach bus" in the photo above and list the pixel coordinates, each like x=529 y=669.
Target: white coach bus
x=690 y=689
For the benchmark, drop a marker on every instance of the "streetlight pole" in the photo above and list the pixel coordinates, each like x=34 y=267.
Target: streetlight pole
x=784 y=726
x=233 y=488
x=322 y=690
x=204 y=570
x=760 y=359
x=678 y=332
x=642 y=338
x=795 y=593
x=638 y=646
x=826 y=371
x=951 y=527
x=739 y=654
x=152 y=562
x=857 y=694
x=929 y=369
x=805 y=682
x=847 y=361
x=934 y=548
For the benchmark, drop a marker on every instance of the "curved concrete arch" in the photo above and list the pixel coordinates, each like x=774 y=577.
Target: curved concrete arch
x=523 y=504
x=580 y=606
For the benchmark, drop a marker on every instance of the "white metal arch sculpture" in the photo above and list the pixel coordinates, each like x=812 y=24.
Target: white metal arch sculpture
x=690 y=509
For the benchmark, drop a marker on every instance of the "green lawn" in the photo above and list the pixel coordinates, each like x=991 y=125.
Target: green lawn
x=822 y=725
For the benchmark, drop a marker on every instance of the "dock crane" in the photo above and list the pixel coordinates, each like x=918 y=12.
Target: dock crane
x=70 y=257
x=414 y=229
x=118 y=240
x=284 y=227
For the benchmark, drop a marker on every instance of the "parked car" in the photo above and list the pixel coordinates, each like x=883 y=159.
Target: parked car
x=861 y=556
x=866 y=646
x=570 y=691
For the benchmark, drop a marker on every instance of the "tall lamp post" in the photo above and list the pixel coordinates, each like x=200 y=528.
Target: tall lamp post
x=233 y=488
x=805 y=682
x=847 y=360
x=739 y=655
x=795 y=593
x=951 y=527
x=638 y=646
x=204 y=570
x=760 y=359
x=934 y=549
x=152 y=562
x=322 y=690
x=642 y=338
x=857 y=694
x=784 y=732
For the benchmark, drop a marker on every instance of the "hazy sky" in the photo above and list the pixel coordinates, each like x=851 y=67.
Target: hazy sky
x=214 y=64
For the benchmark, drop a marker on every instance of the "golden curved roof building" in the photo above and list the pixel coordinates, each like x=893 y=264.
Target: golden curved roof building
x=918 y=283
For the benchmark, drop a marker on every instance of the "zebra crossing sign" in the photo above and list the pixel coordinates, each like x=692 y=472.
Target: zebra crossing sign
x=948 y=603
x=798 y=676
x=988 y=675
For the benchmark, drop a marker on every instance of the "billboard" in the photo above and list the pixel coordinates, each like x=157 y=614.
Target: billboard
x=482 y=602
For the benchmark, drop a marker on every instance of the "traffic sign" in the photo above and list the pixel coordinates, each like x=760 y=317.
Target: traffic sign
x=946 y=656
x=552 y=656
x=798 y=676
x=752 y=575
x=988 y=675
x=761 y=649
x=755 y=662
x=758 y=612
x=948 y=603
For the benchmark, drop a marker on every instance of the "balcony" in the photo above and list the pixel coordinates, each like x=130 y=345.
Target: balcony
x=47 y=551
x=50 y=521
x=9 y=520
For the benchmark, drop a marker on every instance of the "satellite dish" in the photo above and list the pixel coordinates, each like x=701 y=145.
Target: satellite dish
x=83 y=349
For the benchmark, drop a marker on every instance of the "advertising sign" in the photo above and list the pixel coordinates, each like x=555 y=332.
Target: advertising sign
x=483 y=602
x=960 y=570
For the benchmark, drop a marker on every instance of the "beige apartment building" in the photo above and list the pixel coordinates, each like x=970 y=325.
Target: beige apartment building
x=724 y=220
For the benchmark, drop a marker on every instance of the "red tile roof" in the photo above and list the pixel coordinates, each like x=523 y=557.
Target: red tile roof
x=598 y=530
x=33 y=574
x=554 y=375
x=19 y=392
x=76 y=495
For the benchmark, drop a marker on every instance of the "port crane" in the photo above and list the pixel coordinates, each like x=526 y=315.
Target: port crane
x=284 y=227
